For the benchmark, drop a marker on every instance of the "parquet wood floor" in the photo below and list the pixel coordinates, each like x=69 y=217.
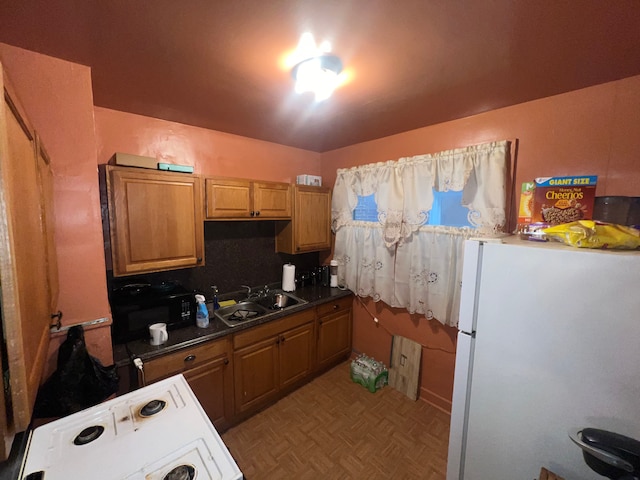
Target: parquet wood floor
x=333 y=428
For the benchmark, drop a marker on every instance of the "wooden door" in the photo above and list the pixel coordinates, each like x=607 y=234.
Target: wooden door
x=312 y=227
x=23 y=267
x=45 y=177
x=296 y=354
x=256 y=374
x=271 y=200
x=213 y=385
x=227 y=198
x=155 y=220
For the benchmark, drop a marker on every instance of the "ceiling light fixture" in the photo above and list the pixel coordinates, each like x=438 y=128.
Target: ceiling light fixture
x=317 y=70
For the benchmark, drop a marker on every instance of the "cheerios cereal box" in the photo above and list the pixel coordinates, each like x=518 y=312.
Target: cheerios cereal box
x=559 y=200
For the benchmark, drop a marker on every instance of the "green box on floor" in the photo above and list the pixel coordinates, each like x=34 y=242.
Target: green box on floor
x=369 y=373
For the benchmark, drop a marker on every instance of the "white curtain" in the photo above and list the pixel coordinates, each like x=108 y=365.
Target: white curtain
x=400 y=260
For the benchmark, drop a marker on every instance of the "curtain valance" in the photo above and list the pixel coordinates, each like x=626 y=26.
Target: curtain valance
x=404 y=189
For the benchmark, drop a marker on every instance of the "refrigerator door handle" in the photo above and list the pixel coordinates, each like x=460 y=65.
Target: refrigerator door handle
x=608 y=458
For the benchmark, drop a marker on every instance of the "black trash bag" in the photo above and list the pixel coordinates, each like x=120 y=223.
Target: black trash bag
x=80 y=380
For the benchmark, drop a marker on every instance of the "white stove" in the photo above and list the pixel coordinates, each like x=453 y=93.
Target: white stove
x=159 y=432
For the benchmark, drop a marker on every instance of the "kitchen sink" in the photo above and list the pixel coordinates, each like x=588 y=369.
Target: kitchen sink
x=251 y=309
x=279 y=300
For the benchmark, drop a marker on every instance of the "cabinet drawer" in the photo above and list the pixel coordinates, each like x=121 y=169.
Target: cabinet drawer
x=185 y=359
x=339 y=305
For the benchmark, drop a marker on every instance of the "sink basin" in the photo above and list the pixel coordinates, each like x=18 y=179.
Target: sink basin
x=279 y=300
x=240 y=313
x=247 y=311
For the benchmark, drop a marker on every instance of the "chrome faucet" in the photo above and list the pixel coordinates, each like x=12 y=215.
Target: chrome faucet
x=259 y=294
x=248 y=290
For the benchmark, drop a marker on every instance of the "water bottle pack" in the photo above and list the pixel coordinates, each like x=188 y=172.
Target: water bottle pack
x=370 y=373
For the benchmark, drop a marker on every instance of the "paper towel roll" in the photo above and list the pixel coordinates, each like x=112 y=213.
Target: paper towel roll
x=288 y=277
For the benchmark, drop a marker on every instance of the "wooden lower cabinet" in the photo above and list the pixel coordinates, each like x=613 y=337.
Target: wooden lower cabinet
x=212 y=385
x=334 y=332
x=296 y=355
x=256 y=373
x=209 y=371
x=236 y=376
x=271 y=358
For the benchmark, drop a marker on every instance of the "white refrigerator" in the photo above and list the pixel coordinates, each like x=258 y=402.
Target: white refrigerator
x=548 y=341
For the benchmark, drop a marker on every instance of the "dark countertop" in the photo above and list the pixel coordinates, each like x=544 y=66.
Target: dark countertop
x=191 y=336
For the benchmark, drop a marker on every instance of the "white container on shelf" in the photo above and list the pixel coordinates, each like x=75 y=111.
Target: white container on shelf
x=314 y=180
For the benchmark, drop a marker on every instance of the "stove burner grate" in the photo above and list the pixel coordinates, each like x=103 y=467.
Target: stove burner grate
x=153 y=407
x=243 y=314
x=181 y=472
x=88 y=435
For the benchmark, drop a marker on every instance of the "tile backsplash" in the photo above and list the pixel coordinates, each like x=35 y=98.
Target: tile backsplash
x=236 y=253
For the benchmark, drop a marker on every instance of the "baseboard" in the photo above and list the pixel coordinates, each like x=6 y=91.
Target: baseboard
x=435 y=400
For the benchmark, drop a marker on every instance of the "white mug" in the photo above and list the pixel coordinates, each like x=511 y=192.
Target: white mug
x=158 y=333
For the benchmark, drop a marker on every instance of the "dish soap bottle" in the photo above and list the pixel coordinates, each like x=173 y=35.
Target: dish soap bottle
x=202 y=312
x=216 y=304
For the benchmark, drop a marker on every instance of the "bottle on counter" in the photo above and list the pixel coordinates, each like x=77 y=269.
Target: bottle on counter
x=216 y=304
x=334 y=273
x=202 y=312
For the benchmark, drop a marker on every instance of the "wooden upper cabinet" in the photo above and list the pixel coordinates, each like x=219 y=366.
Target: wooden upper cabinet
x=231 y=199
x=24 y=274
x=155 y=220
x=310 y=226
x=272 y=200
x=228 y=198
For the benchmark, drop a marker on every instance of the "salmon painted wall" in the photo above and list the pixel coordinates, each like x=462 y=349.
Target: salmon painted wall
x=589 y=131
x=58 y=99
x=209 y=152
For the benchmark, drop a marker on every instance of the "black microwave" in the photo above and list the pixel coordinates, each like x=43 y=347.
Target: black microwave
x=136 y=306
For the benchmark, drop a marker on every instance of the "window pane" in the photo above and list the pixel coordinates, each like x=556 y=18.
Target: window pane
x=448 y=210
x=366 y=210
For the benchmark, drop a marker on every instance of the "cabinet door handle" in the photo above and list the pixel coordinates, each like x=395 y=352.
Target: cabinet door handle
x=199 y=259
x=336 y=306
x=283 y=339
x=252 y=213
x=278 y=341
x=258 y=213
x=226 y=361
x=189 y=358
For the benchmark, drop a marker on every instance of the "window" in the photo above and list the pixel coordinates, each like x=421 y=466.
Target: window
x=447 y=210
x=400 y=225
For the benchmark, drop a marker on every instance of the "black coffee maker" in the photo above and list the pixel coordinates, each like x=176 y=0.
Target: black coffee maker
x=609 y=454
